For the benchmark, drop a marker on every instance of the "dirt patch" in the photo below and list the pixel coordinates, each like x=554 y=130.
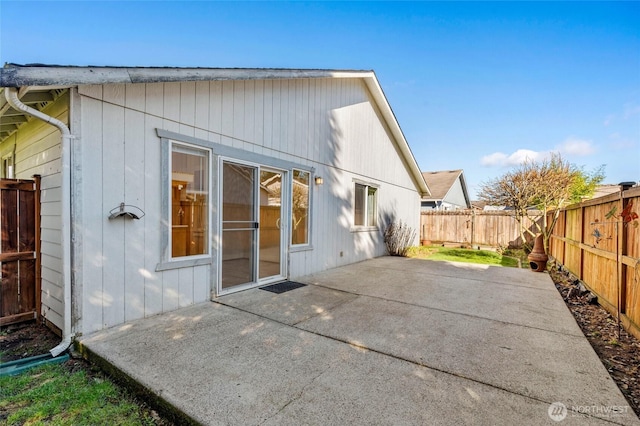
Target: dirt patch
x=618 y=350
x=25 y=340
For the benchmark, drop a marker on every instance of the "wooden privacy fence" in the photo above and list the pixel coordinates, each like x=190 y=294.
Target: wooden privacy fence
x=599 y=242
x=470 y=227
x=19 y=250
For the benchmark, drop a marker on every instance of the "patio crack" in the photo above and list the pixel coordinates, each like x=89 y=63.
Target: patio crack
x=297 y=396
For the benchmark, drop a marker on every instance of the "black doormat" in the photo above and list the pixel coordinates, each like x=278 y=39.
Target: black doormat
x=283 y=287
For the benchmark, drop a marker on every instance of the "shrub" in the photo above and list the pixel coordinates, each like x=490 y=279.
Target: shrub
x=398 y=237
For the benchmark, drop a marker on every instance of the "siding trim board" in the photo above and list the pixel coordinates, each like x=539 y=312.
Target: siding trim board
x=231 y=152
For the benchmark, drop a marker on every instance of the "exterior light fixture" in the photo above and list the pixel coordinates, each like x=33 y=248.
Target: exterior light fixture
x=319 y=180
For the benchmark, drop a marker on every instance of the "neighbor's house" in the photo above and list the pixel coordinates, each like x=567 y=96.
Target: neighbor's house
x=604 y=190
x=165 y=187
x=448 y=191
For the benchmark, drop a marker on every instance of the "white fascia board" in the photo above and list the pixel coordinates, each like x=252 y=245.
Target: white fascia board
x=381 y=100
x=464 y=189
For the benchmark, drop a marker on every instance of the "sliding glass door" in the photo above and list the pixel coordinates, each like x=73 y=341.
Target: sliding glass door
x=252 y=249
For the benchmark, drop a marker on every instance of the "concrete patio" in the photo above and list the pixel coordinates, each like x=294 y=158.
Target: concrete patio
x=387 y=341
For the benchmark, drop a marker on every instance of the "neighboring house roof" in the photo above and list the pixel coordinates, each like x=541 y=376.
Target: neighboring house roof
x=38 y=83
x=478 y=205
x=604 y=190
x=440 y=183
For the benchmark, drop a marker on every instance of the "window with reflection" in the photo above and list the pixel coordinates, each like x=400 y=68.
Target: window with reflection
x=189 y=201
x=300 y=207
x=365 y=205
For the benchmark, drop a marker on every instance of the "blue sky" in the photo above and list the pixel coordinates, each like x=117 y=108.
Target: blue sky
x=477 y=86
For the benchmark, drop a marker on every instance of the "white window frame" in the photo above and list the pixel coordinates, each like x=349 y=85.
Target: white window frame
x=208 y=154
x=170 y=262
x=310 y=188
x=8 y=167
x=366 y=226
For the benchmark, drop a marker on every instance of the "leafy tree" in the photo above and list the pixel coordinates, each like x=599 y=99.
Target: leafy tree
x=534 y=188
x=585 y=184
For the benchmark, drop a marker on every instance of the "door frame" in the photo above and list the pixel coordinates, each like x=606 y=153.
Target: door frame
x=284 y=220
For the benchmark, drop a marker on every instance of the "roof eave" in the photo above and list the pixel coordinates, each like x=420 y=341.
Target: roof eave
x=67 y=76
x=13 y=75
x=381 y=100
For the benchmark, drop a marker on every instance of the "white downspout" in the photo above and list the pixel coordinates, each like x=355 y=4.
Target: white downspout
x=11 y=94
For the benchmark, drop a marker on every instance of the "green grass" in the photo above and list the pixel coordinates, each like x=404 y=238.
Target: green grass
x=483 y=257
x=54 y=396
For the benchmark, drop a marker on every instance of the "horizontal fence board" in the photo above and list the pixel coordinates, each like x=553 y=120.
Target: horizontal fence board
x=21 y=255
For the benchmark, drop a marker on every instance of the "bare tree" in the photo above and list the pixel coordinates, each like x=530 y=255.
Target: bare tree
x=535 y=188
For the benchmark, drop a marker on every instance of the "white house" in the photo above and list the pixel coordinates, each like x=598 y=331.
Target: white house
x=448 y=191
x=164 y=187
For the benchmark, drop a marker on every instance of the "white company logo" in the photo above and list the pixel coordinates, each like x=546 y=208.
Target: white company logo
x=557 y=411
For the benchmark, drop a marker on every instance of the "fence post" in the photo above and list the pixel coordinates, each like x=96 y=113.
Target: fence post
x=473 y=226
x=37 y=180
x=622 y=251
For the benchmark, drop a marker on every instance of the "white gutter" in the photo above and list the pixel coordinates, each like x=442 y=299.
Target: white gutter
x=11 y=94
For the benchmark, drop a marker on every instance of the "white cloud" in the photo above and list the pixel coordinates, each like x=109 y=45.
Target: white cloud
x=571 y=146
x=576 y=146
x=630 y=111
x=495 y=159
x=514 y=159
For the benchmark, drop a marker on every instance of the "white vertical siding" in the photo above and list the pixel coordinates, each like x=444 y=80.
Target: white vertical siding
x=37 y=151
x=134 y=230
x=92 y=211
x=152 y=207
x=329 y=124
x=113 y=189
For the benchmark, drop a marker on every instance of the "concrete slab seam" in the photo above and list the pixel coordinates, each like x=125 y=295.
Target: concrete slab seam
x=577 y=336
x=399 y=358
x=472 y=279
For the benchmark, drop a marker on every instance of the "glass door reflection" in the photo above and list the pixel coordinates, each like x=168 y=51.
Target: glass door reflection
x=239 y=224
x=270 y=253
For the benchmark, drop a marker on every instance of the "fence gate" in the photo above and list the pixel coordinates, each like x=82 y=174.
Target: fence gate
x=19 y=250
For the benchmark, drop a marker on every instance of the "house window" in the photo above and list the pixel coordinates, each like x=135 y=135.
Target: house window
x=365 y=205
x=7 y=167
x=300 y=208
x=189 y=201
